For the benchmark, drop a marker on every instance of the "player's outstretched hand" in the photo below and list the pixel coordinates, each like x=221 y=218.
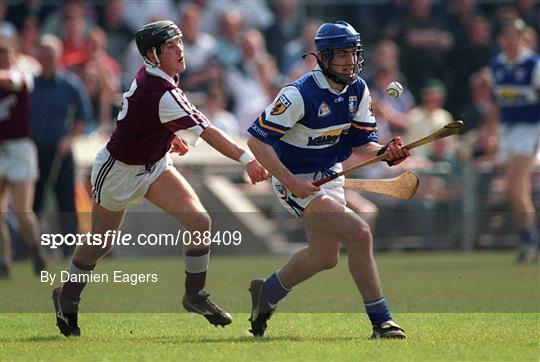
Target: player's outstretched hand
x=179 y=146
x=395 y=151
x=301 y=187
x=256 y=172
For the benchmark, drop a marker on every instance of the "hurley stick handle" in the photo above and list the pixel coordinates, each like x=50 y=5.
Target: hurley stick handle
x=450 y=129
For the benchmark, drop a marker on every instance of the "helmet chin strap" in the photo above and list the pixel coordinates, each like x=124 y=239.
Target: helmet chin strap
x=338 y=78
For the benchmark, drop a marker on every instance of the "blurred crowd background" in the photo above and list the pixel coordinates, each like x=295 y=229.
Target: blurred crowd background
x=239 y=53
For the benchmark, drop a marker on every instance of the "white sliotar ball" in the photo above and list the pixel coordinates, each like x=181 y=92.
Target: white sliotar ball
x=394 y=89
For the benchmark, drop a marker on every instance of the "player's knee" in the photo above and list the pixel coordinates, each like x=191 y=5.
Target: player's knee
x=327 y=262
x=361 y=238
x=3 y=218
x=200 y=221
x=92 y=253
x=23 y=218
x=513 y=192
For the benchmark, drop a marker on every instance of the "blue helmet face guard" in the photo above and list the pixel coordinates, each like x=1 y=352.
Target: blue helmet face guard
x=331 y=37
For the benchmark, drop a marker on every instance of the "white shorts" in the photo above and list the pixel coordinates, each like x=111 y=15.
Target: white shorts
x=116 y=185
x=296 y=205
x=518 y=139
x=18 y=160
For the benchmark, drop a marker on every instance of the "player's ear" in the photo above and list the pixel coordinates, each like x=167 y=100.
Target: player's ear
x=150 y=56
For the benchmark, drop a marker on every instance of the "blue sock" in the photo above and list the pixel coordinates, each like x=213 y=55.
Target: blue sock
x=273 y=289
x=378 y=311
x=528 y=237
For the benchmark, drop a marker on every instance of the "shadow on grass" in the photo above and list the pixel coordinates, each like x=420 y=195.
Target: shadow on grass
x=35 y=339
x=243 y=339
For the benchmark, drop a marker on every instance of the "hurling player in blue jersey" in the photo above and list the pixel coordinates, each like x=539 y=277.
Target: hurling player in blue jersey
x=314 y=124
x=516 y=77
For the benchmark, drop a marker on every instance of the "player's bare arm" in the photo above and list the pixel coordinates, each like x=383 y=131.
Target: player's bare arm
x=226 y=146
x=269 y=159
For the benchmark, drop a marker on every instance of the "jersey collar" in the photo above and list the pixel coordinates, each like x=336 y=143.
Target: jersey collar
x=159 y=73
x=524 y=54
x=322 y=82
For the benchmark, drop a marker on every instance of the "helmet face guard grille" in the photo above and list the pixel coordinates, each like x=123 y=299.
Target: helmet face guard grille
x=331 y=37
x=343 y=79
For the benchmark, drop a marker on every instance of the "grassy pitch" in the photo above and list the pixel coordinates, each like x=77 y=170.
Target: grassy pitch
x=453 y=306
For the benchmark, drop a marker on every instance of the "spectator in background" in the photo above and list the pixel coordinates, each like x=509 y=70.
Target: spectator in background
x=428 y=117
x=7 y=30
x=516 y=78
x=244 y=82
x=529 y=11
x=530 y=37
x=55 y=21
x=19 y=11
x=228 y=49
x=473 y=55
x=18 y=166
x=389 y=17
x=293 y=64
x=139 y=12
x=285 y=29
x=74 y=36
x=200 y=52
x=385 y=56
x=481 y=116
x=59 y=110
x=214 y=109
x=269 y=77
x=459 y=14
x=255 y=13
x=100 y=74
x=425 y=45
x=111 y=20
x=29 y=34
x=391 y=113
x=504 y=14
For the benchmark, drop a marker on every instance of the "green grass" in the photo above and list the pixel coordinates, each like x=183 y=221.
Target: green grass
x=454 y=306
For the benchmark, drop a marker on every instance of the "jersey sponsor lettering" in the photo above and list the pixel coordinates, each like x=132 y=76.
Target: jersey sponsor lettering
x=327 y=138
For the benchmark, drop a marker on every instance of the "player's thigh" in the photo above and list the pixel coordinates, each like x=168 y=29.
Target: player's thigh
x=104 y=219
x=322 y=247
x=518 y=171
x=172 y=193
x=5 y=192
x=22 y=196
x=359 y=204
x=330 y=217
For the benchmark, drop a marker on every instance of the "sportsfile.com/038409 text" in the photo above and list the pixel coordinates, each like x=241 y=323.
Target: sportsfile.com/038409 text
x=120 y=238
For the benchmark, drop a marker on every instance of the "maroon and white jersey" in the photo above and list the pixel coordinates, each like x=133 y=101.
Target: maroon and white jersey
x=15 y=107
x=153 y=111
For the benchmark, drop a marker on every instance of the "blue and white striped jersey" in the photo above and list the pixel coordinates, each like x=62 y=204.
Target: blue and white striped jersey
x=517 y=87
x=312 y=127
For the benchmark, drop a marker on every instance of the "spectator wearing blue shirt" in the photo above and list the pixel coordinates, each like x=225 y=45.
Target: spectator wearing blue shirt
x=59 y=110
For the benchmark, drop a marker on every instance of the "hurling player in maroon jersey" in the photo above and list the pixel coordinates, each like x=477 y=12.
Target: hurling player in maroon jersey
x=18 y=165
x=156 y=118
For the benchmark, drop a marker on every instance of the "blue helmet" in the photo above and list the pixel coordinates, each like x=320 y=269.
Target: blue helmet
x=339 y=35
